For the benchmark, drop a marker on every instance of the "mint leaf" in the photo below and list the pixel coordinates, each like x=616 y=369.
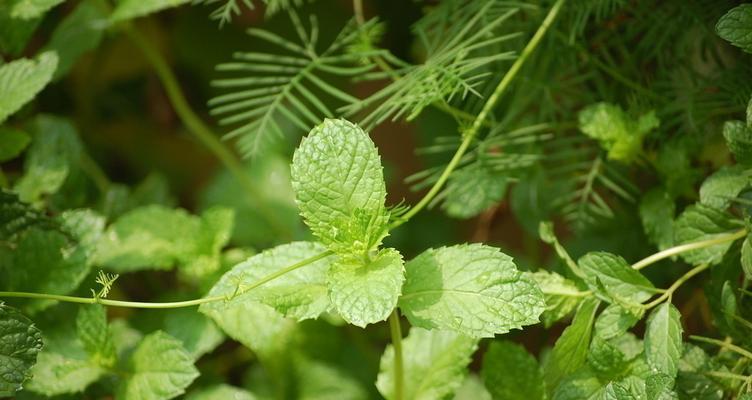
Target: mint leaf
x=198 y=333
x=614 y=321
x=12 y=143
x=723 y=186
x=128 y=9
x=159 y=369
x=473 y=189
x=220 y=392
x=583 y=384
x=738 y=137
x=29 y=9
x=159 y=237
x=435 y=364
x=16 y=217
x=699 y=222
x=473 y=289
x=618 y=133
x=660 y=387
x=365 y=293
x=20 y=342
x=472 y=389
x=79 y=32
x=55 y=150
x=22 y=79
x=511 y=373
x=657 y=211
x=570 y=350
x=57 y=374
x=616 y=276
x=746 y=257
x=663 y=339
x=318 y=380
x=736 y=27
x=339 y=187
x=95 y=335
x=561 y=294
x=299 y=294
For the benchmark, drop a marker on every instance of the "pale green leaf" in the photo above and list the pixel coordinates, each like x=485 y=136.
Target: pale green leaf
x=699 y=222
x=128 y=9
x=317 y=380
x=56 y=374
x=22 y=79
x=14 y=33
x=29 y=9
x=198 y=333
x=723 y=186
x=435 y=364
x=473 y=289
x=12 y=143
x=570 y=350
x=614 y=321
x=616 y=276
x=220 y=392
x=657 y=215
x=80 y=32
x=736 y=27
x=561 y=294
x=581 y=385
x=738 y=137
x=299 y=294
x=158 y=237
x=159 y=369
x=663 y=339
x=339 y=186
x=660 y=387
x=54 y=152
x=95 y=335
x=511 y=373
x=472 y=389
x=20 y=342
x=366 y=292
x=616 y=131
x=471 y=190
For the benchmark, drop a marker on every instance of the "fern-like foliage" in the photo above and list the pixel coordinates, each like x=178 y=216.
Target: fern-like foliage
x=227 y=9
x=274 y=92
x=459 y=38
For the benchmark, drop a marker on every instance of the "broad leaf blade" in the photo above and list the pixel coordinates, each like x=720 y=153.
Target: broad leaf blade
x=20 y=342
x=473 y=289
x=511 y=373
x=663 y=339
x=698 y=223
x=22 y=79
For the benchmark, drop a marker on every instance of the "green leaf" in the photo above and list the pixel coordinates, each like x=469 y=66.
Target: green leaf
x=660 y=387
x=435 y=364
x=22 y=79
x=618 y=133
x=159 y=237
x=17 y=216
x=57 y=374
x=614 y=321
x=128 y=9
x=95 y=335
x=472 y=389
x=723 y=186
x=29 y=9
x=736 y=27
x=299 y=294
x=472 y=190
x=220 y=392
x=318 y=380
x=561 y=294
x=159 y=369
x=12 y=143
x=738 y=137
x=198 y=333
x=55 y=150
x=366 y=292
x=746 y=257
x=583 y=384
x=473 y=289
x=339 y=186
x=79 y=32
x=699 y=222
x=14 y=33
x=663 y=339
x=20 y=342
x=511 y=373
x=657 y=211
x=570 y=350
x=618 y=279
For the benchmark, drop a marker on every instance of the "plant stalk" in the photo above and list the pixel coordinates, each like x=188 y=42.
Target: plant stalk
x=399 y=376
x=672 y=251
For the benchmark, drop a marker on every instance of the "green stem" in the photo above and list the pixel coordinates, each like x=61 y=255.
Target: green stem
x=670 y=291
x=399 y=377
x=173 y=304
x=722 y=344
x=672 y=251
x=197 y=127
x=470 y=134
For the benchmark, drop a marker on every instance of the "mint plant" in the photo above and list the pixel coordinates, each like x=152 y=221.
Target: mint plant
x=597 y=151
